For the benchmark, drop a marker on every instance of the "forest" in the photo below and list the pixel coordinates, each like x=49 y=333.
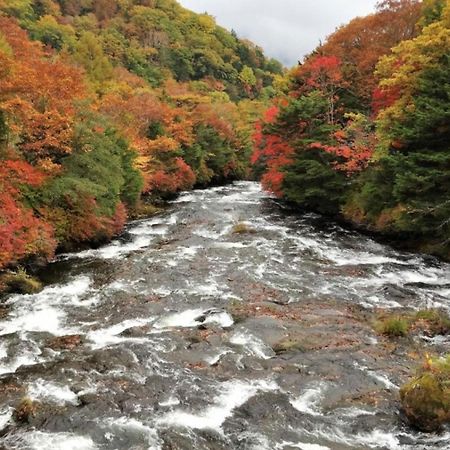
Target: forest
x=109 y=107
x=362 y=130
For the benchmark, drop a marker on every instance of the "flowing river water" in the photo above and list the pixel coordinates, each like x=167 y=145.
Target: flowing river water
x=184 y=335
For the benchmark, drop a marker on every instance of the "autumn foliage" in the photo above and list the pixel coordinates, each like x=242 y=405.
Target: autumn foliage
x=362 y=132
x=107 y=105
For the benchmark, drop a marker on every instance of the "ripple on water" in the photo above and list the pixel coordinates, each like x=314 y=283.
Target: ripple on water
x=44 y=311
x=309 y=401
x=52 y=392
x=38 y=440
x=232 y=395
x=194 y=317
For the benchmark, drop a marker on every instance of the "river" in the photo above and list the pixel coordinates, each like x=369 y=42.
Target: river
x=185 y=335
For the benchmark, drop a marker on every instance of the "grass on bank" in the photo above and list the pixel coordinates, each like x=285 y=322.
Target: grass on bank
x=431 y=322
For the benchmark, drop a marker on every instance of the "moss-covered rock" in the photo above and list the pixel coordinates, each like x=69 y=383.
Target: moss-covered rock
x=20 y=282
x=426 y=398
x=25 y=410
x=242 y=228
x=290 y=344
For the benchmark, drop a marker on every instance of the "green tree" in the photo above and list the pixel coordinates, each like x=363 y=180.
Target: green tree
x=89 y=53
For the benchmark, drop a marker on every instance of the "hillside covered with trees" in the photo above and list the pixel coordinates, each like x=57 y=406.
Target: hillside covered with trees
x=104 y=104
x=362 y=131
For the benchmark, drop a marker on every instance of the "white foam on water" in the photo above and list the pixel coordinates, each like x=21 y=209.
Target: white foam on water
x=374 y=301
x=309 y=402
x=437 y=340
x=383 y=379
x=38 y=440
x=184 y=319
x=3 y=350
x=181 y=254
x=343 y=257
x=143 y=233
x=230 y=245
x=161 y=292
x=26 y=358
x=116 y=249
x=426 y=440
x=223 y=319
x=5 y=417
x=49 y=391
x=254 y=441
x=208 y=289
x=353 y=412
x=129 y=424
x=253 y=345
x=209 y=234
x=170 y=401
x=110 y=335
x=185 y=198
x=190 y=318
x=374 y=439
x=233 y=394
x=261 y=270
x=212 y=360
x=44 y=311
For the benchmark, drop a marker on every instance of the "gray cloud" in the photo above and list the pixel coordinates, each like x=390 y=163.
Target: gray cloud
x=286 y=29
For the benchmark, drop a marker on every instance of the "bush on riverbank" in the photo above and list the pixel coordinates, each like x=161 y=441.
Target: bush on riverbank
x=426 y=398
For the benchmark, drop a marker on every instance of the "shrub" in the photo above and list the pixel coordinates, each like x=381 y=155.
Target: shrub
x=426 y=398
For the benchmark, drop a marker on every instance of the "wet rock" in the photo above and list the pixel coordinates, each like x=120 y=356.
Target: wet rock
x=290 y=344
x=25 y=410
x=98 y=402
x=41 y=415
x=135 y=332
x=206 y=440
x=65 y=342
x=266 y=408
x=108 y=359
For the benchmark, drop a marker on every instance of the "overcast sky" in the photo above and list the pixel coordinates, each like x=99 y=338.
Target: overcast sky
x=286 y=29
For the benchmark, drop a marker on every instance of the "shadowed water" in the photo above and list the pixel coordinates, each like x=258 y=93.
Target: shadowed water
x=160 y=359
